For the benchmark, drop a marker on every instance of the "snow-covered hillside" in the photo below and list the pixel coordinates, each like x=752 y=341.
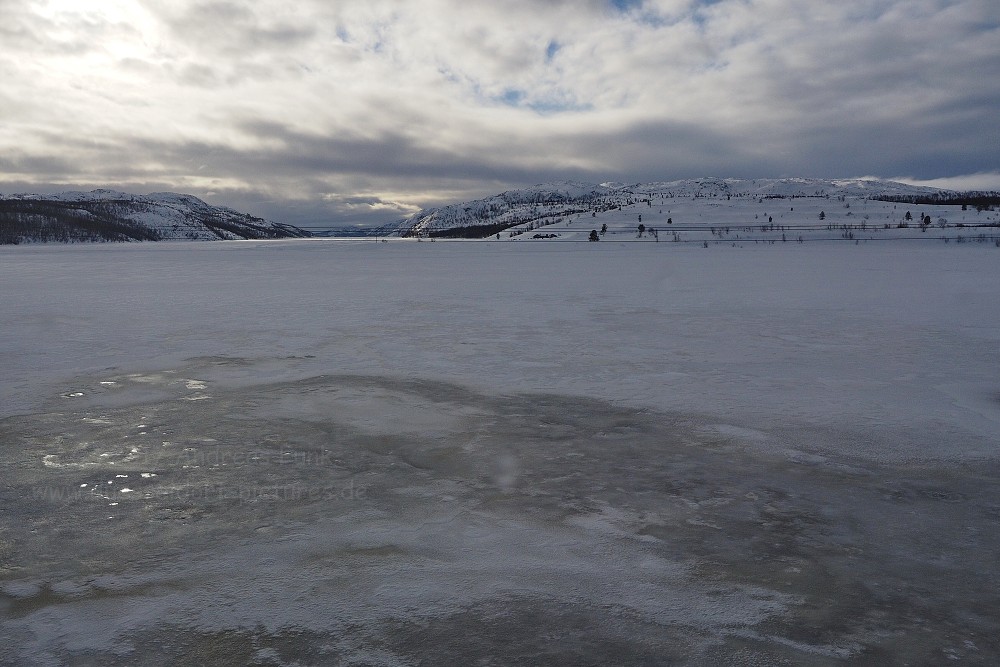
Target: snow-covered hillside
x=506 y=209
x=714 y=210
x=107 y=215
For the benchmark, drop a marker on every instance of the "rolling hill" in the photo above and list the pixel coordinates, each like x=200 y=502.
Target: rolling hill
x=703 y=209
x=107 y=215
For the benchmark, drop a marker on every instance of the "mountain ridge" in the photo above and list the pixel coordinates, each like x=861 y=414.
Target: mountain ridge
x=111 y=215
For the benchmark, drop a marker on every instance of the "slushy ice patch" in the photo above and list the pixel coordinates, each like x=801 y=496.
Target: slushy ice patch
x=372 y=519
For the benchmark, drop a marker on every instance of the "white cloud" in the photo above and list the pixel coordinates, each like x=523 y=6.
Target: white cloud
x=982 y=181
x=409 y=102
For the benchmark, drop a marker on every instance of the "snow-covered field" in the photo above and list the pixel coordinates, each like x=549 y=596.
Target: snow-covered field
x=741 y=222
x=299 y=452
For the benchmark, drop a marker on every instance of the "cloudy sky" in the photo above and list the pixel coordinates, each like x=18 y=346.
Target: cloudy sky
x=360 y=111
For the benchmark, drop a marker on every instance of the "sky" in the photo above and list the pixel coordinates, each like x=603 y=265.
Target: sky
x=359 y=112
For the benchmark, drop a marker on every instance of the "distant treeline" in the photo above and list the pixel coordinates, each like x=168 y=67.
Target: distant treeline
x=26 y=220
x=981 y=201
x=471 y=231
x=535 y=219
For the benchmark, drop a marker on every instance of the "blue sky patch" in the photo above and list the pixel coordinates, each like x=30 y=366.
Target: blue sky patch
x=551 y=50
x=512 y=97
x=625 y=6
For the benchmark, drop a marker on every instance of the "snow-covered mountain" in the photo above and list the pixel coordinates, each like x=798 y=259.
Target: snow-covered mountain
x=107 y=215
x=551 y=202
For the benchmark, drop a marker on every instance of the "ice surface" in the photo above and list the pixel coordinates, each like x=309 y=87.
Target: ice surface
x=856 y=336
x=317 y=451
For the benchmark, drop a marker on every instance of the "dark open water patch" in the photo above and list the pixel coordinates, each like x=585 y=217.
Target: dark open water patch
x=167 y=519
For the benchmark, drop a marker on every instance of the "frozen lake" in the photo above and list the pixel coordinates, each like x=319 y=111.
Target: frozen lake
x=328 y=452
